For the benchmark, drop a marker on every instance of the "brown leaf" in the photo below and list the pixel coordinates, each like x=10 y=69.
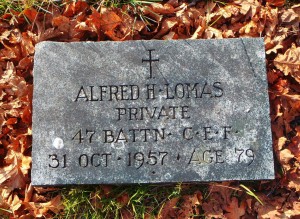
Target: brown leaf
x=40 y=209
x=169 y=209
x=250 y=29
x=285 y=156
x=25 y=63
x=190 y=205
x=280 y=143
x=170 y=36
x=277 y=3
x=162 y=8
x=296 y=8
x=50 y=33
x=27 y=45
x=43 y=190
x=75 y=8
x=211 y=33
x=294 y=180
x=94 y=22
x=174 y=3
x=226 y=12
x=5 y=36
x=198 y=33
x=15 y=204
x=109 y=20
x=271 y=22
x=289 y=62
x=248 y=7
x=5 y=194
x=234 y=209
x=28 y=193
x=62 y=23
x=11 y=121
x=126 y=214
x=123 y=199
x=289 y=16
x=166 y=26
x=31 y=14
x=26 y=115
x=15 y=174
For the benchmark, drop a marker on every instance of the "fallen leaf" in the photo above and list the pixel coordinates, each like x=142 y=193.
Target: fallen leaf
x=289 y=62
x=285 y=156
x=40 y=209
x=166 y=26
x=212 y=33
x=289 y=16
x=248 y=7
x=31 y=14
x=94 y=22
x=162 y=8
x=169 y=209
x=277 y=3
x=234 y=209
x=250 y=29
x=62 y=23
x=123 y=199
x=109 y=20
x=294 y=180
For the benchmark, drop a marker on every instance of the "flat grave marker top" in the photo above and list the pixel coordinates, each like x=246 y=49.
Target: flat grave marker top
x=151 y=112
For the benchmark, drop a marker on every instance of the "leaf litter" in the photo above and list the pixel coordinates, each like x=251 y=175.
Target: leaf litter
x=173 y=19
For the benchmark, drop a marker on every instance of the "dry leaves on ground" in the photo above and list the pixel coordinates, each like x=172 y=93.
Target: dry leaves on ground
x=174 y=19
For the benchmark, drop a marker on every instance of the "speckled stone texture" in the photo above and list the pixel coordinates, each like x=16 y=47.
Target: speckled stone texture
x=103 y=113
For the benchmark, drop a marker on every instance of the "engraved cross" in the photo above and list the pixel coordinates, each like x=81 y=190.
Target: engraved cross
x=150 y=60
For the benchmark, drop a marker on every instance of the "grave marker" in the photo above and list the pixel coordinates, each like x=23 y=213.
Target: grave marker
x=151 y=112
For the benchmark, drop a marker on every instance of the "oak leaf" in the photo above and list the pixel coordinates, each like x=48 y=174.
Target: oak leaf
x=27 y=45
x=234 y=209
x=271 y=21
x=211 y=33
x=5 y=194
x=250 y=29
x=109 y=20
x=14 y=175
x=248 y=7
x=62 y=23
x=15 y=204
x=166 y=26
x=289 y=16
x=162 y=8
x=74 y=8
x=40 y=209
x=289 y=62
x=169 y=209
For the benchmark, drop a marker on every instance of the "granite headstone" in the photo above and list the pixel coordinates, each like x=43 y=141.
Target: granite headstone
x=151 y=112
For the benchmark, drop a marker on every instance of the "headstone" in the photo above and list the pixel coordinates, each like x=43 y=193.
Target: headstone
x=150 y=112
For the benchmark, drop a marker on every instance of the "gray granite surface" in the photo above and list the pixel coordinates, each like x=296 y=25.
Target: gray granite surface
x=151 y=112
